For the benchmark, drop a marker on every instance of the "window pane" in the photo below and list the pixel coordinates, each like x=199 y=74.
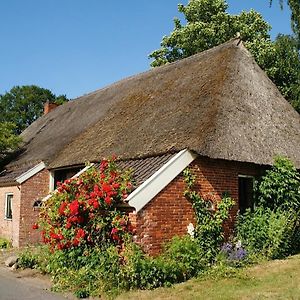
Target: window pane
x=8 y=207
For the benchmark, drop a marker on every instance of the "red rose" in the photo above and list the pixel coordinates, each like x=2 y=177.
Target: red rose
x=80 y=233
x=62 y=208
x=74 y=207
x=75 y=242
x=35 y=226
x=106 y=188
x=108 y=200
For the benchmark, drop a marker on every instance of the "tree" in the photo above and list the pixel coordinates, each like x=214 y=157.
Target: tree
x=22 y=105
x=8 y=140
x=286 y=70
x=208 y=25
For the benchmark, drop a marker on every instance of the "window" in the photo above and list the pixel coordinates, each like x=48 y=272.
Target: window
x=8 y=206
x=63 y=174
x=245 y=192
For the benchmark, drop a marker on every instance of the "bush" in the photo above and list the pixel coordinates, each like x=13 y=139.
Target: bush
x=268 y=233
x=181 y=259
x=96 y=273
x=28 y=260
x=273 y=228
x=4 y=243
x=280 y=187
x=84 y=211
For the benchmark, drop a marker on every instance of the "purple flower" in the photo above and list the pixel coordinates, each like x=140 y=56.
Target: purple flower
x=234 y=252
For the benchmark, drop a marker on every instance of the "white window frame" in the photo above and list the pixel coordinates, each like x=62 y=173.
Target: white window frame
x=6 y=206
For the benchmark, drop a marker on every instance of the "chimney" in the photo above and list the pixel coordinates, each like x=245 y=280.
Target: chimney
x=48 y=106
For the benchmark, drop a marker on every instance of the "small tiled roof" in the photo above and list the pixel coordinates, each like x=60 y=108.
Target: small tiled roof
x=144 y=168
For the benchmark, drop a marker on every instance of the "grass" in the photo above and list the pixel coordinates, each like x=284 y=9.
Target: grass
x=279 y=279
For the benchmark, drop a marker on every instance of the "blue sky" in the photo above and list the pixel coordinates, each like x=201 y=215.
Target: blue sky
x=73 y=47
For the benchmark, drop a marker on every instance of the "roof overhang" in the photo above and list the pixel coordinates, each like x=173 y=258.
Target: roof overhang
x=31 y=172
x=141 y=196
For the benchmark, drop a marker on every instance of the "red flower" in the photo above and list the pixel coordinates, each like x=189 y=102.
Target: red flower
x=106 y=187
x=114 y=230
x=115 y=237
x=116 y=185
x=68 y=225
x=96 y=204
x=108 y=200
x=62 y=208
x=35 y=226
x=97 y=192
x=60 y=246
x=74 y=207
x=80 y=233
x=75 y=242
x=103 y=165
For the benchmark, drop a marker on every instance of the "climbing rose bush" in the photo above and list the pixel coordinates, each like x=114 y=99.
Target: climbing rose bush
x=84 y=211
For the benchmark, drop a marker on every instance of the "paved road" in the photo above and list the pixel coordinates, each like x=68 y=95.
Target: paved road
x=16 y=286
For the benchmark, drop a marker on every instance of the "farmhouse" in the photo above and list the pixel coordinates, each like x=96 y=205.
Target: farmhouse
x=216 y=112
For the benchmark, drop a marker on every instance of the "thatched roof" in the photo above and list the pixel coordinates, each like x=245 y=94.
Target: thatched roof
x=218 y=103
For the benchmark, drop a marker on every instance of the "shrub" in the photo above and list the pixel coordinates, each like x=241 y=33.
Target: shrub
x=268 y=233
x=181 y=259
x=28 y=260
x=4 y=243
x=97 y=272
x=190 y=257
x=84 y=211
x=280 y=187
x=273 y=228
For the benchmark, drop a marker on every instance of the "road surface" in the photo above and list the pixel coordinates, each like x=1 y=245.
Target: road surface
x=15 y=285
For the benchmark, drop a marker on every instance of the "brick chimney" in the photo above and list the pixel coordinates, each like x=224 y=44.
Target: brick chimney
x=48 y=106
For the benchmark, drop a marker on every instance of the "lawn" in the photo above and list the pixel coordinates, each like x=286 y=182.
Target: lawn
x=279 y=279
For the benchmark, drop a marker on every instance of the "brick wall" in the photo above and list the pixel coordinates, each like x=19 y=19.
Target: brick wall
x=9 y=229
x=169 y=213
x=32 y=189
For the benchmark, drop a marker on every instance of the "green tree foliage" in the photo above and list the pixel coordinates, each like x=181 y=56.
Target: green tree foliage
x=22 y=105
x=8 y=140
x=286 y=69
x=208 y=24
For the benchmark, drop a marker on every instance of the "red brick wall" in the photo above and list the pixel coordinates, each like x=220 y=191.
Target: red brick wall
x=32 y=189
x=169 y=213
